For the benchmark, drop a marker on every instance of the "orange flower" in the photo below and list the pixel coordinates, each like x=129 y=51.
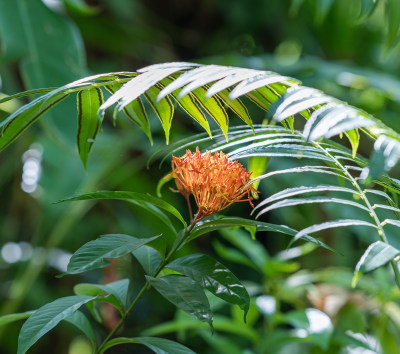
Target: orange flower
x=215 y=181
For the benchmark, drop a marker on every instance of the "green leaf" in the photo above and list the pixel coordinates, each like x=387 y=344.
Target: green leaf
x=163 y=108
x=226 y=222
x=92 y=254
x=393 y=21
x=135 y=111
x=151 y=208
x=157 y=345
x=213 y=107
x=391 y=222
x=149 y=77
x=94 y=290
x=46 y=318
x=42 y=52
x=149 y=258
x=236 y=106
x=311 y=200
x=220 y=323
x=375 y=256
x=257 y=166
x=12 y=317
x=12 y=127
x=118 y=292
x=323 y=8
x=214 y=277
x=290 y=192
x=330 y=225
x=25 y=93
x=317 y=325
x=295 y=100
x=188 y=104
x=354 y=139
x=185 y=294
x=141 y=197
x=89 y=102
x=80 y=321
x=367 y=8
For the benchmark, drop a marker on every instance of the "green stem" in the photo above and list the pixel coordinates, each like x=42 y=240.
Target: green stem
x=147 y=285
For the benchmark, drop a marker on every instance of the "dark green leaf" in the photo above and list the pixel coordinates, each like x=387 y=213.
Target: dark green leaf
x=157 y=345
x=141 y=197
x=149 y=258
x=214 y=277
x=92 y=254
x=184 y=293
x=46 y=318
x=80 y=321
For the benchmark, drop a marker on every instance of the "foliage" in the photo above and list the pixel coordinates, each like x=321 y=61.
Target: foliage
x=327 y=196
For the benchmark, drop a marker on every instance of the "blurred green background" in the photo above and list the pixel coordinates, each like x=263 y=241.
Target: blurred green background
x=325 y=44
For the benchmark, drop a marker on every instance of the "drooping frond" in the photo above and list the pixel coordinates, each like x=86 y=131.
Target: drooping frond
x=207 y=91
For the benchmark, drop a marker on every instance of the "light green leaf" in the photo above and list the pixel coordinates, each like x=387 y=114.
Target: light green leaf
x=89 y=102
x=184 y=293
x=12 y=317
x=214 y=108
x=354 y=139
x=214 y=277
x=163 y=108
x=375 y=256
x=236 y=106
x=46 y=318
x=128 y=196
x=157 y=345
x=92 y=254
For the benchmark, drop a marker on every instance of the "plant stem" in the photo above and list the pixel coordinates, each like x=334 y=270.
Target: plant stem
x=147 y=285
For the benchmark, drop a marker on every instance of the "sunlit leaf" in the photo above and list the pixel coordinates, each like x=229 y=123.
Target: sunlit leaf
x=163 y=108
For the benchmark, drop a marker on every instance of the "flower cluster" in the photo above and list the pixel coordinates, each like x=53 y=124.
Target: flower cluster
x=214 y=181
